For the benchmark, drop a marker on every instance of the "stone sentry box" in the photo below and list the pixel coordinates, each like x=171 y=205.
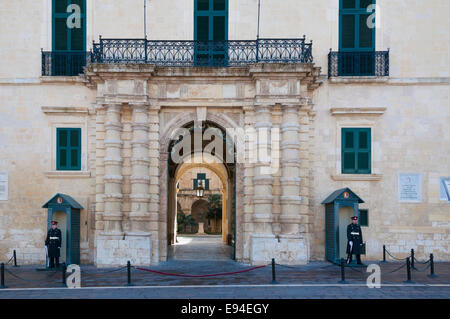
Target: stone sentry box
x=68 y=211
x=339 y=207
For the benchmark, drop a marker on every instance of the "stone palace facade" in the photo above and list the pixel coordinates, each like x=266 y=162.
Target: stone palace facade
x=91 y=96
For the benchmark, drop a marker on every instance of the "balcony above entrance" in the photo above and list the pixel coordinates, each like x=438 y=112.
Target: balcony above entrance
x=202 y=53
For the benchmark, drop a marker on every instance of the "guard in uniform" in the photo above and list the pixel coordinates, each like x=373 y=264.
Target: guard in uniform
x=53 y=243
x=355 y=241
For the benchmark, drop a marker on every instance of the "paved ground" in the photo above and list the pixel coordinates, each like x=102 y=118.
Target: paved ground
x=196 y=247
x=198 y=257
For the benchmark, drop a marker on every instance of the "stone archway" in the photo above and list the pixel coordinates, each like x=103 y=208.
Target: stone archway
x=167 y=189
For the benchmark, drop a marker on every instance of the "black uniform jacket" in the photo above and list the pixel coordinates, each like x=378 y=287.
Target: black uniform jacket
x=354 y=234
x=53 y=242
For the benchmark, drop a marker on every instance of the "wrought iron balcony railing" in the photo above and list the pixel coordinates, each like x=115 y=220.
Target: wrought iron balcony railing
x=64 y=63
x=202 y=53
x=375 y=63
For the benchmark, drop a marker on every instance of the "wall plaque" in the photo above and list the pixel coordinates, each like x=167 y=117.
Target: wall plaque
x=410 y=188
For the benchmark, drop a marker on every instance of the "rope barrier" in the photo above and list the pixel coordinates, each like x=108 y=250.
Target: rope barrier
x=423 y=269
x=422 y=262
x=286 y=266
x=200 y=276
x=9 y=260
x=401 y=259
x=104 y=272
x=29 y=280
x=404 y=265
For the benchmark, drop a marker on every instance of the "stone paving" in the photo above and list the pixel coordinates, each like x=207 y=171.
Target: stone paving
x=314 y=280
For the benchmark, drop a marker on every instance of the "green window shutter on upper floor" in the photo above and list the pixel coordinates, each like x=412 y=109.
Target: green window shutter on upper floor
x=354 y=31
x=68 y=149
x=210 y=24
x=65 y=38
x=356 y=151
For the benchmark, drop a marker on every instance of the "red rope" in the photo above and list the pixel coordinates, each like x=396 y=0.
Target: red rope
x=197 y=276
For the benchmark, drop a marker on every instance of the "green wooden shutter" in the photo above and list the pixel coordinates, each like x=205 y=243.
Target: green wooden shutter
x=356 y=151
x=354 y=33
x=62 y=148
x=68 y=152
x=364 y=153
x=364 y=217
x=363 y=4
x=219 y=5
x=207 y=184
x=348 y=151
x=195 y=183
x=64 y=38
x=203 y=5
x=348 y=31
x=60 y=6
x=210 y=24
x=75 y=149
x=365 y=34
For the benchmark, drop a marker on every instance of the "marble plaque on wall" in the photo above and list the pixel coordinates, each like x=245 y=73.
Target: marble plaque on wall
x=409 y=188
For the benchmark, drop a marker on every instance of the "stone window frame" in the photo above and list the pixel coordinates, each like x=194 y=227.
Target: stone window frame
x=355 y=122
x=67 y=121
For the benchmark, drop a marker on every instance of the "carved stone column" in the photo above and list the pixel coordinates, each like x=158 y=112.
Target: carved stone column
x=154 y=187
x=263 y=240
x=305 y=164
x=140 y=179
x=290 y=170
x=250 y=156
x=262 y=179
x=113 y=171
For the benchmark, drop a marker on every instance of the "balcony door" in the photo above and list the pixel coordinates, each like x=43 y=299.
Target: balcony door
x=68 y=37
x=356 y=38
x=210 y=32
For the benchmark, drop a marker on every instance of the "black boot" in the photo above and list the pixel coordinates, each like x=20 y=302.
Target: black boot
x=358 y=259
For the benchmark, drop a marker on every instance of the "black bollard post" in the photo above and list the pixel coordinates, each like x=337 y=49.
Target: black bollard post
x=343 y=271
x=408 y=270
x=432 y=275
x=2 y=275
x=412 y=259
x=15 y=258
x=64 y=269
x=384 y=253
x=128 y=273
x=274 y=280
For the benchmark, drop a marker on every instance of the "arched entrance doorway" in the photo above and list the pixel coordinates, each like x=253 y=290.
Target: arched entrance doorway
x=203 y=147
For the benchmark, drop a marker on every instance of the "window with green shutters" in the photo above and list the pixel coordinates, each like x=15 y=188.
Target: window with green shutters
x=364 y=217
x=201 y=177
x=354 y=32
x=65 y=38
x=68 y=149
x=356 y=151
x=210 y=24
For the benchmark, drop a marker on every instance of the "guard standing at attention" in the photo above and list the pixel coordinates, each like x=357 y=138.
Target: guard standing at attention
x=53 y=243
x=355 y=241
